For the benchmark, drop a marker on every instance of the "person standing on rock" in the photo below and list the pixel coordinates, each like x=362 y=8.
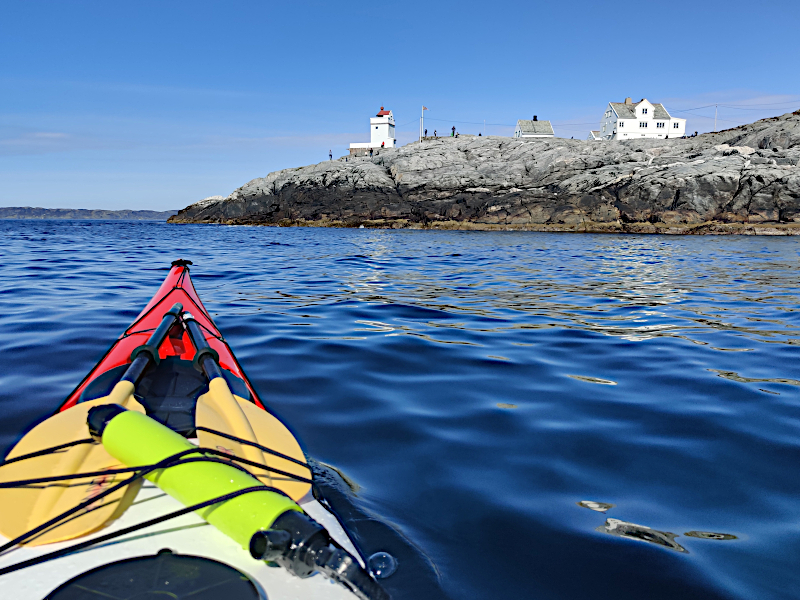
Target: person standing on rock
x=330 y=155
x=370 y=152
x=454 y=131
x=434 y=133
x=382 y=144
x=426 y=133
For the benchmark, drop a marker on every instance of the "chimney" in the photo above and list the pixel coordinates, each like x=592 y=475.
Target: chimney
x=628 y=101
x=534 y=118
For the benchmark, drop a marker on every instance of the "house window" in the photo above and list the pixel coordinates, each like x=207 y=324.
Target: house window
x=621 y=123
x=643 y=124
x=644 y=111
x=674 y=125
x=660 y=125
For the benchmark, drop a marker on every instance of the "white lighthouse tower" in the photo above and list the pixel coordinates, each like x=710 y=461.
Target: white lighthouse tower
x=381 y=129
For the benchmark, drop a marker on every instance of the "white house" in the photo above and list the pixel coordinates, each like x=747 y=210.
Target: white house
x=381 y=129
x=626 y=121
x=533 y=128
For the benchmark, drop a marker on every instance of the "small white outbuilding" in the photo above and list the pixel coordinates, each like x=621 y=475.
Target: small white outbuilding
x=382 y=134
x=533 y=128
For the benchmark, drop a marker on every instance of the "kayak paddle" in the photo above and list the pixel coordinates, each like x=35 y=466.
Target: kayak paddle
x=238 y=427
x=59 y=446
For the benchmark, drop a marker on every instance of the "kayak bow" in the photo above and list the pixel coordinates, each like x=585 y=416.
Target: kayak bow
x=168 y=404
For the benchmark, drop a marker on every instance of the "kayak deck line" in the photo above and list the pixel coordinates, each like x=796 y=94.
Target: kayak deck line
x=185 y=535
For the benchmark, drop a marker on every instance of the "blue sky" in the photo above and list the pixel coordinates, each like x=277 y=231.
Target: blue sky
x=158 y=104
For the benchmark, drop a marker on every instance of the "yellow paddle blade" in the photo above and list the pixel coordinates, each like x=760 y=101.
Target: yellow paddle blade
x=224 y=412
x=22 y=509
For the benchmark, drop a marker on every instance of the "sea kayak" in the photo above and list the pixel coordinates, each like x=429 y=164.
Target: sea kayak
x=165 y=474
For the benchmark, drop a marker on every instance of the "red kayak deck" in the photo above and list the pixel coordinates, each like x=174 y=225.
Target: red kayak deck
x=177 y=287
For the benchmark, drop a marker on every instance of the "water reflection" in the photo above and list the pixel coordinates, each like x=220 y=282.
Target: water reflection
x=641 y=533
x=595 y=506
x=588 y=379
x=710 y=535
x=733 y=376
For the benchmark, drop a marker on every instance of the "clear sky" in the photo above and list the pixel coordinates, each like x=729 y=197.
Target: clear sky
x=157 y=104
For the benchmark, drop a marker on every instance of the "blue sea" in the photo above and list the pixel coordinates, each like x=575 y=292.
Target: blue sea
x=538 y=415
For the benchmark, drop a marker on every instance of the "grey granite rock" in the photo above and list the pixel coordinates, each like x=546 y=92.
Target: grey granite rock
x=718 y=182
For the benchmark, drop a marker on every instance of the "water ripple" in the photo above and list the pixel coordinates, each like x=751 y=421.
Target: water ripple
x=474 y=387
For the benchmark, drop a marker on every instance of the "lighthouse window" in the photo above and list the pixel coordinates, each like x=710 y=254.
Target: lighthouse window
x=376 y=126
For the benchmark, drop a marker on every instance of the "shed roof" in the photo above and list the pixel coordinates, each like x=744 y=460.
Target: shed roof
x=535 y=127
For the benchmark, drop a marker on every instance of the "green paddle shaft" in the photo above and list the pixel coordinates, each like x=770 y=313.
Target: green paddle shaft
x=135 y=440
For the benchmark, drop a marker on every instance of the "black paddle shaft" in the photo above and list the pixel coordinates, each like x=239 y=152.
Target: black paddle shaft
x=147 y=354
x=206 y=359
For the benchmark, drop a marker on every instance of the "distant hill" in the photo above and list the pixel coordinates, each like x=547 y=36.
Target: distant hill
x=26 y=212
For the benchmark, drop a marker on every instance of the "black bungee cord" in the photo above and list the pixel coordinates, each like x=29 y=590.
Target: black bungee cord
x=140 y=472
x=110 y=536
x=45 y=451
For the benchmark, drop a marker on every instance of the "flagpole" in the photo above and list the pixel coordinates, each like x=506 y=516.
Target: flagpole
x=421 y=122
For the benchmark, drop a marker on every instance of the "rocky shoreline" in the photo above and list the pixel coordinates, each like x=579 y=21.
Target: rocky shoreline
x=739 y=181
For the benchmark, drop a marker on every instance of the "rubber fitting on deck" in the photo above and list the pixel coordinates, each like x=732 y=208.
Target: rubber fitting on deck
x=100 y=416
x=202 y=354
x=269 y=544
x=146 y=349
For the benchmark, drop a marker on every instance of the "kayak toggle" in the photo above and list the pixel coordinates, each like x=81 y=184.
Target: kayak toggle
x=302 y=546
x=263 y=520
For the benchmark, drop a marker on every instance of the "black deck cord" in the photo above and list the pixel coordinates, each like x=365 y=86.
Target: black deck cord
x=131 y=529
x=254 y=444
x=141 y=472
x=47 y=451
x=26 y=482
x=20 y=483
x=57 y=519
x=66 y=518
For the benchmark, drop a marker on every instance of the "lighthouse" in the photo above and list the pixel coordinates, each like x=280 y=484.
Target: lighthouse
x=381 y=134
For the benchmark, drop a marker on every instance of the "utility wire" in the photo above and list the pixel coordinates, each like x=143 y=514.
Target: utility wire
x=788 y=105
x=469 y=122
x=404 y=124
x=576 y=126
